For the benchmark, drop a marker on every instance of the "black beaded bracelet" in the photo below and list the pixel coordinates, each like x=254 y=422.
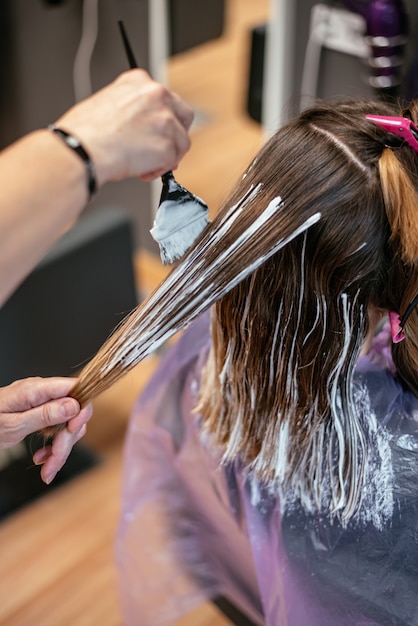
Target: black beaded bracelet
x=73 y=143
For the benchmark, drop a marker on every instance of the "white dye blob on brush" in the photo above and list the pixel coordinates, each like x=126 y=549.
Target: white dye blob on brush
x=180 y=219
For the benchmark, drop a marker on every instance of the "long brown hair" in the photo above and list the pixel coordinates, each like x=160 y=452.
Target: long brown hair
x=322 y=226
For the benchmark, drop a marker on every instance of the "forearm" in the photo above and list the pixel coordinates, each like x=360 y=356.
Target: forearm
x=43 y=190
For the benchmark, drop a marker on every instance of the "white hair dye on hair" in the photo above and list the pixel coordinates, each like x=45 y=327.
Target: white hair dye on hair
x=315 y=322
x=195 y=283
x=335 y=404
x=341 y=450
x=273 y=345
x=228 y=361
x=291 y=387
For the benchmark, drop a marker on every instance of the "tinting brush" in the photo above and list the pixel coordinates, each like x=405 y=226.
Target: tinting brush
x=181 y=216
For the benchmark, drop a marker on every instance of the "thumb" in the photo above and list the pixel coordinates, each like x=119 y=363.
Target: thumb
x=52 y=413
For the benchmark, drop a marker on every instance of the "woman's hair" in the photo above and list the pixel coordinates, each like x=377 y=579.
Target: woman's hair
x=322 y=228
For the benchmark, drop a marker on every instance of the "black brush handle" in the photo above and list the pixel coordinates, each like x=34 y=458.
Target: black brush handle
x=131 y=59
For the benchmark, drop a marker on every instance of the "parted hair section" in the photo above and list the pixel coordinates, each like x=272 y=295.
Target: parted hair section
x=311 y=239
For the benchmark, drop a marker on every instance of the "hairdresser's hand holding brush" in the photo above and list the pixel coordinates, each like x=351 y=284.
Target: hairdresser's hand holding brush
x=134 y=127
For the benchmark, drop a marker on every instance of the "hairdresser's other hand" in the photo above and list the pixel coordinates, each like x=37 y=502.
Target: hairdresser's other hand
x=132 y=127
x=33 y=404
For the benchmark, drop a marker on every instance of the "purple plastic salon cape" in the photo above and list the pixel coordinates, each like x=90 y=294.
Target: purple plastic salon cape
x=192 y=529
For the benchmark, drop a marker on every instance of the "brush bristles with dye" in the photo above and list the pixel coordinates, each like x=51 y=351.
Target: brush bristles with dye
x=218 y=262
x=181 y=217
x=176 y=243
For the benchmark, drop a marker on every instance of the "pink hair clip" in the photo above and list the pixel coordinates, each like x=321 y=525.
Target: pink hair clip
x=396 y=327
x=400 y=126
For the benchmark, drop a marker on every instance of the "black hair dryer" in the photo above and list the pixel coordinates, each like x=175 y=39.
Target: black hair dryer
x=387 y=29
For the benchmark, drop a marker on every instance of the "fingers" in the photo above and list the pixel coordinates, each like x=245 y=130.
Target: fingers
x=168 y=150
x=133 y=127
x=181 y=121
x=53 y=457
x=147 y=178
x=162 y=143
x=182 y=111
x=50 y=414
x=33 y=392
x=36 y=404
x=76 y=423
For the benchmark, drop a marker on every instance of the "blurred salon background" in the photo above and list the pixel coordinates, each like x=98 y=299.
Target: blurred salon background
x=245 y=66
